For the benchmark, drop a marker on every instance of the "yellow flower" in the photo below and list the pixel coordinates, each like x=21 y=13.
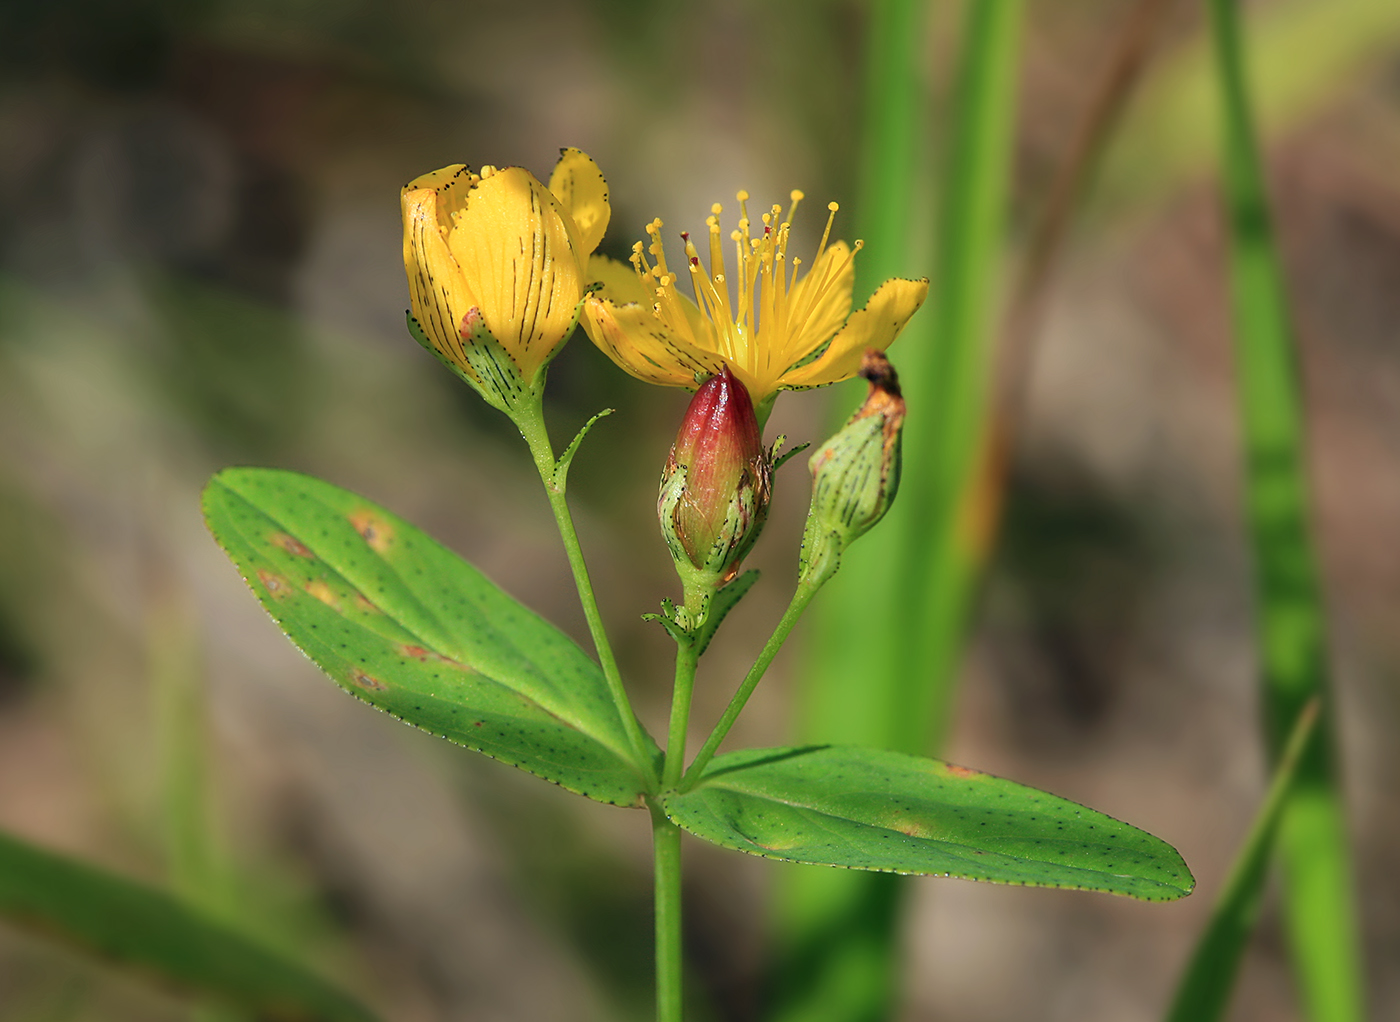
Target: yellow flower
x=498 y=257
x=774 y=330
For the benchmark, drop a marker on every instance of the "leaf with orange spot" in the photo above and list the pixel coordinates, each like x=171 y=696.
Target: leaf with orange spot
x=833 y=805
x=398 y=620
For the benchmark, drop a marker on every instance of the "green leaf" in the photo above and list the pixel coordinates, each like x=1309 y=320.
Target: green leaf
x=403 y=623
x=872 y=809
x=155 y=936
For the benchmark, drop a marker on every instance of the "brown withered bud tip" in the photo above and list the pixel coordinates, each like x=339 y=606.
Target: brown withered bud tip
x=876 y=368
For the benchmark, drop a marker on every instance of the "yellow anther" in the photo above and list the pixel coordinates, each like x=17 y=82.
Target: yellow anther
x=741 y=195
x=833 y=206
x=796 y=196
x=716 y=209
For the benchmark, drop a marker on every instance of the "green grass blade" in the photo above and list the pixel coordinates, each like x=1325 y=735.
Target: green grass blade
x=1312 y=840
x=838 y=929
x=154 y=936
x=1302 y=55
x=895 y=108
x=1204 y=992
x=943 y=521
x=178 y=694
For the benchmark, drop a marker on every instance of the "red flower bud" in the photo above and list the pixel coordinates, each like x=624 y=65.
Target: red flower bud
x=715 y=489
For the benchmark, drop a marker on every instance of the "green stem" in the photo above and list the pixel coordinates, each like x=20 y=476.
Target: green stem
x=800 y=599
x=530 y=421
x=687 y=655
x=666 y=838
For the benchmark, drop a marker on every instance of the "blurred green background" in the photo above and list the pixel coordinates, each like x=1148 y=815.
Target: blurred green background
x=200 y=266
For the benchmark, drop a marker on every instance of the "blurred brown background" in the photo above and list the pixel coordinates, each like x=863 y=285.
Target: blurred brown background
x=200 y=266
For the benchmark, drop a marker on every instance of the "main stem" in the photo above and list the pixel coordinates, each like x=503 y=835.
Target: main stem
x=532 y=428
x=666 y=840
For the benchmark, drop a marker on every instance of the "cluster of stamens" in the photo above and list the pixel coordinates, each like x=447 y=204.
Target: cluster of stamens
x=767 y=297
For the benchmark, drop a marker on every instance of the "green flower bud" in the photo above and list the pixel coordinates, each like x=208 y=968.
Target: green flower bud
x=715 y=489
x=855 y=474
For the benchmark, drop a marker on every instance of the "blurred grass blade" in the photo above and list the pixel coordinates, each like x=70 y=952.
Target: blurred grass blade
x=153 y=936
x=1204 y=993
x=944 y=520
x=888 y=167
x=1312 y=838
x=1302 y=55
x=177 y=688
x=904 y=588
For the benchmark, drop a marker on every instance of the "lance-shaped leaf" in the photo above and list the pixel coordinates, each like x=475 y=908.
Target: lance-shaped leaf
x=834 y=805
x=405 y=624
x=158 y=938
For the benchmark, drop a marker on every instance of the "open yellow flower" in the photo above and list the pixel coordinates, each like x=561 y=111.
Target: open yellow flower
x=497 y=256
x=774 y=330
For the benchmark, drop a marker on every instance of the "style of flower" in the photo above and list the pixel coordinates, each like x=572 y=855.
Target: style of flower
x=497 y=256
x=773 y=329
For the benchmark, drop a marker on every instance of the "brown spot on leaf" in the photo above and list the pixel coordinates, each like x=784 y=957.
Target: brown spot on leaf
x=324 y=593
x=424 y=654
x=912 y=828
x=366 y=605
x=961 y=771
x=364 y=680
x=275 y=584
x=291 y=544
x=378 y=533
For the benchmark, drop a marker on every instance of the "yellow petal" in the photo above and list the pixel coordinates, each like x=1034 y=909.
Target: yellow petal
x=875 y=326
x=621 y=285
x=579 y=186
x=641 y=344
x=438 y=292
x=822 y=301
x=521 y=255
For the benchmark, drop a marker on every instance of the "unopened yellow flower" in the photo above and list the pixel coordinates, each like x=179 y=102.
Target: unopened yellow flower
x=773 y=329
x=497 y=255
